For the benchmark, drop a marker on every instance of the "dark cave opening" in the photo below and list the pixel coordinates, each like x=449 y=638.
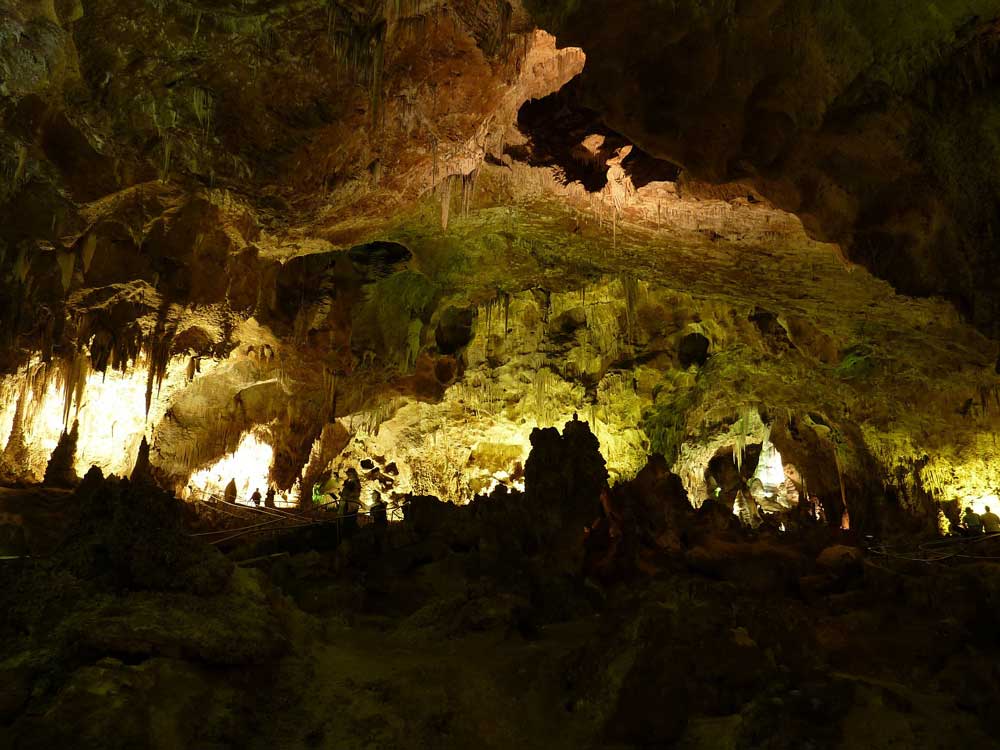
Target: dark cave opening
x=563 y=134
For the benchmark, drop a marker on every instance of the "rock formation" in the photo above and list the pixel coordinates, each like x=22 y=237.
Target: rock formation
x=629 y=308
x=386 y=236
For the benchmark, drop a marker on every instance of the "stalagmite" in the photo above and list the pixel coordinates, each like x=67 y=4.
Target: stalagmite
x=14 y=456
x=59 y=472
x=142 y=470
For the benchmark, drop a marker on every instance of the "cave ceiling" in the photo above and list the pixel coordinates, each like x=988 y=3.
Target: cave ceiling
x=414 y=230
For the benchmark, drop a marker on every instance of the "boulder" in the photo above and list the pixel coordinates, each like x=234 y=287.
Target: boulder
x=237 y=628
x=841 y=559
x=425 y=514
x=759 y=566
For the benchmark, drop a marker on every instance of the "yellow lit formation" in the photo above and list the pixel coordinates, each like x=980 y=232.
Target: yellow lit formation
x=111 y=416
x=248 y=466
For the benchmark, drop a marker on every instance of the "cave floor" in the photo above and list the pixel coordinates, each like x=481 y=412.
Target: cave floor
x=381 y=687
x=426 y=645
x=372 y=689
x=384 y=683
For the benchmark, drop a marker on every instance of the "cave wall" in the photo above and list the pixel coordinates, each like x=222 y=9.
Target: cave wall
x=273 y=220
x=875 y=122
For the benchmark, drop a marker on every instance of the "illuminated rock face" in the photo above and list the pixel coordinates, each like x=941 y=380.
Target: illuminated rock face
x=248 y=467
x=107 y=408
x=323 y=238
x=877 y=131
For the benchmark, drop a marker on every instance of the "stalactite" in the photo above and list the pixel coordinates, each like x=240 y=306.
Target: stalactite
x=74 y=374
x=87 y=251
x=378 y=69
x=434 y=161
x=410 y=28
x=35 y=387
x=742 y=433
x=506 y=313
x=989 y=396
x=630 y=285
x=330 y=397
x=468 y=190
x=445 y=194
x=543 y=385
x=202 y=104
x=66 y=263
x=499 y=45
x=157 y=354
x=358 y=44
x=843 y=490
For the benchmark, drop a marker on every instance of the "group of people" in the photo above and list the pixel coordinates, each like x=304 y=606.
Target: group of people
x=231 y=493
x=974 y=524
x=268 y=498
x=349 y=510
x=349 y=504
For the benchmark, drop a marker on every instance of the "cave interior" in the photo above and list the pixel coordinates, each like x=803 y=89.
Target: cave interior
x=499 y=373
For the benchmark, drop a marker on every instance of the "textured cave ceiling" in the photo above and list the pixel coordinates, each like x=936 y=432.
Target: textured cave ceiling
x=416 y=229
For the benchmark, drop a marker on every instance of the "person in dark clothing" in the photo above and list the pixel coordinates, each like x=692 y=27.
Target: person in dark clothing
x=990 y=521
x=379 y=514
x=379 y=510
x=350 y=503
x=972 y=522
x=255 y=497
x=269 y=498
